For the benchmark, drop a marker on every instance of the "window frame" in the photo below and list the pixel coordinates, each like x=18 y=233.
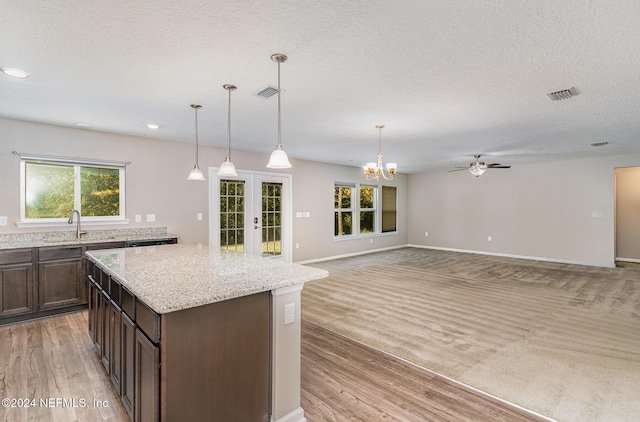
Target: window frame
x=77 y=165
x=351 y=210
x=356 y=211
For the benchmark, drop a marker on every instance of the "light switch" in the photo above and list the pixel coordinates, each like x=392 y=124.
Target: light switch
x=151 y=218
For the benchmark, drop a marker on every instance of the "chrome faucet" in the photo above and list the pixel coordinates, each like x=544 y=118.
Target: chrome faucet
x=78 y=231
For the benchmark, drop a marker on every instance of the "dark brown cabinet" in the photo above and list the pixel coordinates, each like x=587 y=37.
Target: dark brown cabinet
x=127 y=363
x=16 y=282
x=147 y=379
x=60 y=277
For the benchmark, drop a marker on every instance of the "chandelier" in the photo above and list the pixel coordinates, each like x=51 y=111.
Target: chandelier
x=373 y=171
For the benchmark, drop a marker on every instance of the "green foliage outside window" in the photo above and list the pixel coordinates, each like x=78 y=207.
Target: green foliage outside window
x=50 y=190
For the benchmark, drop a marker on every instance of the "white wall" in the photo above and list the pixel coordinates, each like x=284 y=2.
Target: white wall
x=156 y=184
x=628 y=213
x=546 y=210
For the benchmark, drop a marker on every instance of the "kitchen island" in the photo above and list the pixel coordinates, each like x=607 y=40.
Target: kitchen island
x=191 y=333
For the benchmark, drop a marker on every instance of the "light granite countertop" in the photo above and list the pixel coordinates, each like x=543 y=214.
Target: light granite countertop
x=67 y=238
x=174 y=277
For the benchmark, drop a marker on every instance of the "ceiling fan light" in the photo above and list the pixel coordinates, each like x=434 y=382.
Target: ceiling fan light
x=279 y=159
x=196 y=174
x=227 y=169
x=477 y=170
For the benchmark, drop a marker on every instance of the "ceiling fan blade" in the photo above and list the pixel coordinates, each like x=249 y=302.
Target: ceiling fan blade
x=458 y=169
x=498 y=166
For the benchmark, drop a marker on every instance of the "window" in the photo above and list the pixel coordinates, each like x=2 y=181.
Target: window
x=52 y=188
x=343 y=211
x=373 y=206
x=367 y=209
x=389 y=206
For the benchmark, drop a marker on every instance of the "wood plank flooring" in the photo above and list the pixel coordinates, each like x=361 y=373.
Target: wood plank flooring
x=53 y=358
x=343 y=380
x=52 y=361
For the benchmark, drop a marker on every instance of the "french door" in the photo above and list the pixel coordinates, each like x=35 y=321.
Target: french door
x=251 y=213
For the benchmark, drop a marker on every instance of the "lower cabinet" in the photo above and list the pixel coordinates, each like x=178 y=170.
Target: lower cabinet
x=127 y=364
x=129 y=357
x=60 y=277
x=16 y=285
x=147 y=379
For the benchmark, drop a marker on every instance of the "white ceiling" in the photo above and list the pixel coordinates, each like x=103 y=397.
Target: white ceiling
x=448 y=78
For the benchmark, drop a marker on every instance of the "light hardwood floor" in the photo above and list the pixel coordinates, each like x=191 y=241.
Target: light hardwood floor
x=342 y=380
x=53 y=358
x=52 y=361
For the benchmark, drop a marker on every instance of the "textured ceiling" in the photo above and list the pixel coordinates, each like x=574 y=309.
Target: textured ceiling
x=449 y=79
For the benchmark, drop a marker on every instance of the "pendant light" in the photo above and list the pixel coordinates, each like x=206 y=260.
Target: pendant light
x=227 y=169
x=196 y=173
x=279 y=159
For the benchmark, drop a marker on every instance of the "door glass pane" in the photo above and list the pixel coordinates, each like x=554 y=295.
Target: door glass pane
x=271 y=217
x=232 y=215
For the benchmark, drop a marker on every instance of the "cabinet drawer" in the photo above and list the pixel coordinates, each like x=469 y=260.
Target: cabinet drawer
x=128 y=303
x=114 y=291
x=15 y=256
x=67 y=252
x=148 y=321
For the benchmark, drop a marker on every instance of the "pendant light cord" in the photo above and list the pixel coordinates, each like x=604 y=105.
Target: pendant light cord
x=279 y=119
x=196 y=109
x=229 y=125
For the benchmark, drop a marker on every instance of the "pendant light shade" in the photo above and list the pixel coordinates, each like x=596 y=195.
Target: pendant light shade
x=279 y=158
x=196 y=173
x=227 y=169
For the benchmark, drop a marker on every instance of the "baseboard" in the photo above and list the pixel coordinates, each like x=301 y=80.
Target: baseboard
x=506 y=255
x=331 y=258
x=637 y=261
x=296 y=415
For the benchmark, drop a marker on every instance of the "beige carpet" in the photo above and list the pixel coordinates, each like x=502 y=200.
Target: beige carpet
x=561 y=340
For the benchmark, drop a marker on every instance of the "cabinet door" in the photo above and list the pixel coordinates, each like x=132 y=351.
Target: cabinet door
x=147 y=384
x=106 y=331
x=92 y=289
x=16 y=289
x=128 y=330
x=115 y=344
x=60 y=283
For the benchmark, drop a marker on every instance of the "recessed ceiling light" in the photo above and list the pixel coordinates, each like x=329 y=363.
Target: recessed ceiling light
x=153 y=126
x=82 y=125
x=14 y=72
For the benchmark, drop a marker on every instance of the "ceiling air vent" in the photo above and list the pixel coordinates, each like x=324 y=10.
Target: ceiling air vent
x=565 y=94
x=268 y=92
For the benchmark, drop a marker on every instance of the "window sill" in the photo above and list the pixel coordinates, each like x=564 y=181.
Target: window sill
x=363 y=236
x=83 y=223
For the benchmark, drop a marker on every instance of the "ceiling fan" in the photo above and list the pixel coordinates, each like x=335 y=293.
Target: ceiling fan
x=478 y=167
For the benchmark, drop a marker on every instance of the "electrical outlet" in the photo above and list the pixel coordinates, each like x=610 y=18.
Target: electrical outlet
x=426 y=234
x=3 y=220
x=138 y=218
x=297 y=246
x=489 y=238
x=289 y=313
x=199 y=216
